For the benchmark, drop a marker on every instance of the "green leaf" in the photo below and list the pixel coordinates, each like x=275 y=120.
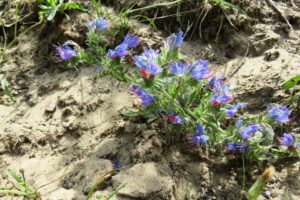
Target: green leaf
x=5 y=88
x=74 y=6
x=130 y=113
x=19 y=179
x=21 y=182
x=52 y=15
x=292 y=82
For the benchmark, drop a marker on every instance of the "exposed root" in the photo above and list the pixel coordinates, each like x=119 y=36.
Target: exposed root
x=280 y=13
x=207 y=8
x=294 y=5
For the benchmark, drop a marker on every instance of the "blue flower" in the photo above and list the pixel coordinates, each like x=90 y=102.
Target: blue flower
x=175 y=119
x=122 y=49
x=287 y=140
x=100 y=25
x=66 y=52
x=199 y=70
x=149 y=72
x=279 y=113
x=231 y=110
x=179 y=39
x=242 y=148
x=298 y=145
x=199 y=137
x=220 y=96
x=147 y=99
x=200 y=130
x=119 y=52
x=215 y=83
x=218 y=99
x=232 y=146
x=148 y=57
x=249 y=130
x=174 y=41
x=147 y=63
x=131 y=42
x=179 y=68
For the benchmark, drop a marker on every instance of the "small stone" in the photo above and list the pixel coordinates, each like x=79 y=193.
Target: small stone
x=268 y=194
x=51 y=107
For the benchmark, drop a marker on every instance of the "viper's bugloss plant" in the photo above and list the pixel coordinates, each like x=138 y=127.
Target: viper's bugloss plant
x=189 y=96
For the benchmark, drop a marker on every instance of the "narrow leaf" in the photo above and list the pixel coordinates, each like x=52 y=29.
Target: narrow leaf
x=292 y=82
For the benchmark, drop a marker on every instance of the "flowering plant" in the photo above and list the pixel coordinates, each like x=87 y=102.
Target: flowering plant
x=188 y=95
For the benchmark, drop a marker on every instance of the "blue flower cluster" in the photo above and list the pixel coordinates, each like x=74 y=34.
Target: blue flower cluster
x=190 y=93
x=147 y=64
x=276 y=113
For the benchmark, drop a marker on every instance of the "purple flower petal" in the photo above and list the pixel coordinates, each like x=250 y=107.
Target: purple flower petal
x=215 y=83
x=287 y=140
x=200 y=130
x=279 y=113
x=199 y=70
x=247 y=132
x=66 y=52
x=131 y=42
x=232 y=146
x=173 y=41
x=179 y=68
x=200 y=139
x=147 y=63
x=231 y=110
x=147 y=99
x=100 y=25
x=119 y=52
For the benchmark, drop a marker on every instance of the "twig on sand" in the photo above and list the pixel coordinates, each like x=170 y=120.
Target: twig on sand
x=241 y=63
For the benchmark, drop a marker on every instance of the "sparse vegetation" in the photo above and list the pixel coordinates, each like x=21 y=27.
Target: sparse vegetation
x=20 y=189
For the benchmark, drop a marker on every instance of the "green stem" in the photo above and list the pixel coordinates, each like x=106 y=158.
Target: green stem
x=95 y=4
x=244 y=175
x=14 y=192
x=5 y=37
x=16 y=23
x=16 y=38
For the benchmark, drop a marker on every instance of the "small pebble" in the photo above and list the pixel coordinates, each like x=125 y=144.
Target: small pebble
x=51 y=107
